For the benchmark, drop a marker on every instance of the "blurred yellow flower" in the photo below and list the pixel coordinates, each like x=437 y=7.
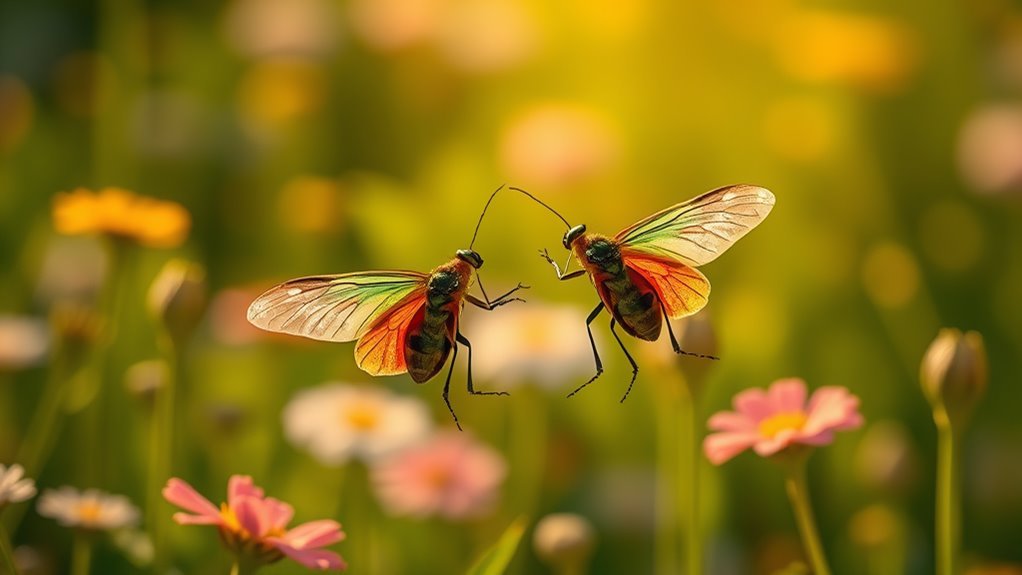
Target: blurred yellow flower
x=487 y=35
x=280 y=90
x=261 y=28
x=119 y=213
x=868 y=52
x=391 y=25
x=16 y=111
x=555 y=144
x=311 y=204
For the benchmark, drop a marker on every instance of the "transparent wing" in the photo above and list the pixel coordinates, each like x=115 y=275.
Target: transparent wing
x=333 y=308
x=697 y=231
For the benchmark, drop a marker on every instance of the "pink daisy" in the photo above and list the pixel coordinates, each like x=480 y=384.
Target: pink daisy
x=772 y=420
x=254 y=527
x=450 y=475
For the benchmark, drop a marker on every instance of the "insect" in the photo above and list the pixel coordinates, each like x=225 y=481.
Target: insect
x=647 y=271
x=403 y=321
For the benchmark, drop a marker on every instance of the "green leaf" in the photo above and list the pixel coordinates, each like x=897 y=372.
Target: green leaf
x=494 y=561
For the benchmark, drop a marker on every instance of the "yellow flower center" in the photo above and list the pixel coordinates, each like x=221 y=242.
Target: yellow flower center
x=89 y=512
x=771 y=426
x=363 y=417
x=438 y=477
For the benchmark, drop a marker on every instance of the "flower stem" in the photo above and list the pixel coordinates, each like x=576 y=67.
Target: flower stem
x=670 y=485
x=798 y=493
x=81 y=554
x=162 y=448
x=693 y=541
x=948 y=502
x=7 y=551
x=243 y=568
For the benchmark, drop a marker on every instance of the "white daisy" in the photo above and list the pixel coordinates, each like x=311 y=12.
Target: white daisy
x=540 y=343
x=337 y=422
x=14 y=486
x=89 y=509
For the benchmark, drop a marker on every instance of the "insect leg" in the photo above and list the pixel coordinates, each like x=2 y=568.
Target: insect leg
x=635 y=367
x=561 y=275
x=464 y=341
x=674 y=341
x=447 y=388
x=596 y=355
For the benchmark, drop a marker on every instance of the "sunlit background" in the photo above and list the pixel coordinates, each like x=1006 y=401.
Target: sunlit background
x=323 y=136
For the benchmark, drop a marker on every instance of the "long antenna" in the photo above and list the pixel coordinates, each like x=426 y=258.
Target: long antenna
x=480 y=222
x=540 y=202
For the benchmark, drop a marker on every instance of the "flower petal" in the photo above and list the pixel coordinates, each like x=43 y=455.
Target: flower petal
x=312 y=558
x=832 y=408
x=279 y=514
x=314 y=534
x=754 y=404
x=788 y=395
x=252 y=515
x=241 y=486
x=186 y=519
x=720 y=447
x=766 y=447
x=180 y=493
x=730 y=421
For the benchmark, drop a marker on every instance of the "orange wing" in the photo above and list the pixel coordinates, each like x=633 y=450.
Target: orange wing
x=381 y=351
x=682 y=289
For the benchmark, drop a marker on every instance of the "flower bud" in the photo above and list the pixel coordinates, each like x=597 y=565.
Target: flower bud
x=564 y=541
x=145 y=378
x=177 y=298
x=954 y=375
x=696 y=335
x=76 y=329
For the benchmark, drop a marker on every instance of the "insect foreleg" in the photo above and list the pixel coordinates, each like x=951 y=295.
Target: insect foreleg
x=464 y=341
x=561 y=275
x=592 y=342
x=635 y=367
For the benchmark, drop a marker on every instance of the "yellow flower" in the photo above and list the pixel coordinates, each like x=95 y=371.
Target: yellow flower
x=122 y=214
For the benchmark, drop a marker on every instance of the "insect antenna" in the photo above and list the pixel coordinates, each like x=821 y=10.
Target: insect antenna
x=480 y=222
x=540 y=202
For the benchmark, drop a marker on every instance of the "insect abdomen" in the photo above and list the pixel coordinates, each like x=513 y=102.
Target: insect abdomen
x=634 y=303
x=427 y=344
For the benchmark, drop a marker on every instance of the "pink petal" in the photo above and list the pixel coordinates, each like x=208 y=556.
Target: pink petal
x=278 y=514
x=314 y=534
x=312 y=558
x=787 y=395
x=241 y=486
x=186 y=519
x=822 y=438
x=832 y=408
x=730 y=421
x=183 y=495
x=252 y=515
x=754 y=404
x=720 y=447
x=768 y=447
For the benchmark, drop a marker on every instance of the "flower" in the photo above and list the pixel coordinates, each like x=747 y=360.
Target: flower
x=121 y=214
x=564 y=539
x=266 y=28
x=451 y=475
x=543 y=343
x=338 y=421
x=990 y=149
x=954 y=374
x=23 y=341
x=14 y=486
x=177 y=298
x=254 y=527
x=773 y=420
x=91 y=509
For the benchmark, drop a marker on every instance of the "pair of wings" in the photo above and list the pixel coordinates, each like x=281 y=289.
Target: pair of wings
x=665 y=248
x=377 y=308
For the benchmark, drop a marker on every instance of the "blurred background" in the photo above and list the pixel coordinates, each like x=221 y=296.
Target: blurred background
x=323 y=136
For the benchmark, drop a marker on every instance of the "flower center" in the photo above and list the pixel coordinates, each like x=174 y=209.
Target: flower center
x=777 y=423
x=363 y=417
x=438 y=477
x=89 y=512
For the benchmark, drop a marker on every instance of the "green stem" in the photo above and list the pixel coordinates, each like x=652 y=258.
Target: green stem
x=693 y=541
x=948 y=501
x=669 y=480
x=81 y=554
x=7 y=551
x=162 y=449
x=243 y=568
x=798 y=492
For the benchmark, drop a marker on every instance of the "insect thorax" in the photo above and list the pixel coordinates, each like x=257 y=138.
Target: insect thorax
x=441 y=285
x=604 y=254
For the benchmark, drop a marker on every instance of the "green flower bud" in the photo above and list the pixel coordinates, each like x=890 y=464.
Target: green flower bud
x=954 y=375
x=177 y=298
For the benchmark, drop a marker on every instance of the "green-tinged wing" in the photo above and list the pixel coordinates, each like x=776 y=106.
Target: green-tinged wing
x=697 y=231
x=333 y=308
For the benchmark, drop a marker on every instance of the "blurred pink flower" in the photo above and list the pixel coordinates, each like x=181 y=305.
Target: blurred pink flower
x=772 y=420
x=254 y=526
x=990 y=149
x=450 y=475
